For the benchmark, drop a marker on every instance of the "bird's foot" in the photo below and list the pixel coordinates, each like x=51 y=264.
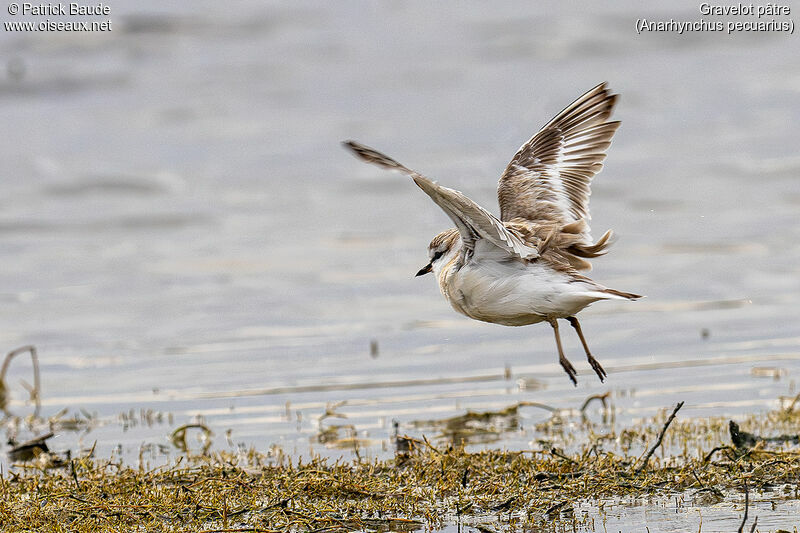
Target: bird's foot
x=569 y=369
x=598 y=369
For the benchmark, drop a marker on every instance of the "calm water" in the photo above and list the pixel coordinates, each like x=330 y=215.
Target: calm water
x=181 y=232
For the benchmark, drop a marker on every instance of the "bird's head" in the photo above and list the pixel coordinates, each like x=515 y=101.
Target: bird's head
x=440 y=251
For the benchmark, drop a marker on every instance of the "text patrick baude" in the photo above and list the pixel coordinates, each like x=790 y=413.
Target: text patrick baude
x=71 y=9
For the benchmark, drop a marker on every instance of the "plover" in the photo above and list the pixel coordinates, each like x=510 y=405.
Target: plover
x=525 y=267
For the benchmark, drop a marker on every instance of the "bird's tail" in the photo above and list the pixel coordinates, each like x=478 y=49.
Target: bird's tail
x=595 y=249
x=625 y=295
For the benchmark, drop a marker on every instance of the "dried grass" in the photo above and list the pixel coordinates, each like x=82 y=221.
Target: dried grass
x=424 y=485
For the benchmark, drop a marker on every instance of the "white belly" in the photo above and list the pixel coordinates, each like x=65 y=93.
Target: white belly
x=513 y=293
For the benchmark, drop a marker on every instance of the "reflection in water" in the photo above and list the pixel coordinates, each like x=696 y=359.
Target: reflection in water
x=478 y=427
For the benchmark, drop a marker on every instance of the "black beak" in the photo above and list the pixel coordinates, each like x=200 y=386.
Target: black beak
x=424 y=270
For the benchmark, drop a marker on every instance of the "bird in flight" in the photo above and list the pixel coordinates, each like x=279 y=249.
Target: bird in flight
x=525 y=267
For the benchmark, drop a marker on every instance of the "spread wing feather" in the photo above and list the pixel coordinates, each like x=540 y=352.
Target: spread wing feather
x=548 y=179
x=472 y=221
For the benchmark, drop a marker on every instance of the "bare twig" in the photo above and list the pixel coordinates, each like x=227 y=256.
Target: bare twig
x=560 y=455
x=178 y=437
x=539 y=405
x=703 y=488
x=652 y=450
x=74 y=475
x=35 y=392
x=746 y=506
x=791 y=405
x=714 y=450
x=602 y=397
x=431 y=446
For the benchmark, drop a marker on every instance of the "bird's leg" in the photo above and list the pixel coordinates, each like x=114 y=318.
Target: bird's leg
x=592 y=361
x=568 y=368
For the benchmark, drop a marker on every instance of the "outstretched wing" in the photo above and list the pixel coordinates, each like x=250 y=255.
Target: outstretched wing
x=548 y=178
x=472 y=221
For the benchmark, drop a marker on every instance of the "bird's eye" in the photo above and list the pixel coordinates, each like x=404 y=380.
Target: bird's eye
x=436 y=256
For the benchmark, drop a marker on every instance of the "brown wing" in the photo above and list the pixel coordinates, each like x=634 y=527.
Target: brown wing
x=473 y=222
x=548 y=179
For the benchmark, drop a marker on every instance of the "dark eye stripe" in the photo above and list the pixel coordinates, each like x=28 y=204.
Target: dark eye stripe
x=436 y=256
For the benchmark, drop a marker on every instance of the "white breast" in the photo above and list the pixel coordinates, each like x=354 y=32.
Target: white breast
x=513 y=293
